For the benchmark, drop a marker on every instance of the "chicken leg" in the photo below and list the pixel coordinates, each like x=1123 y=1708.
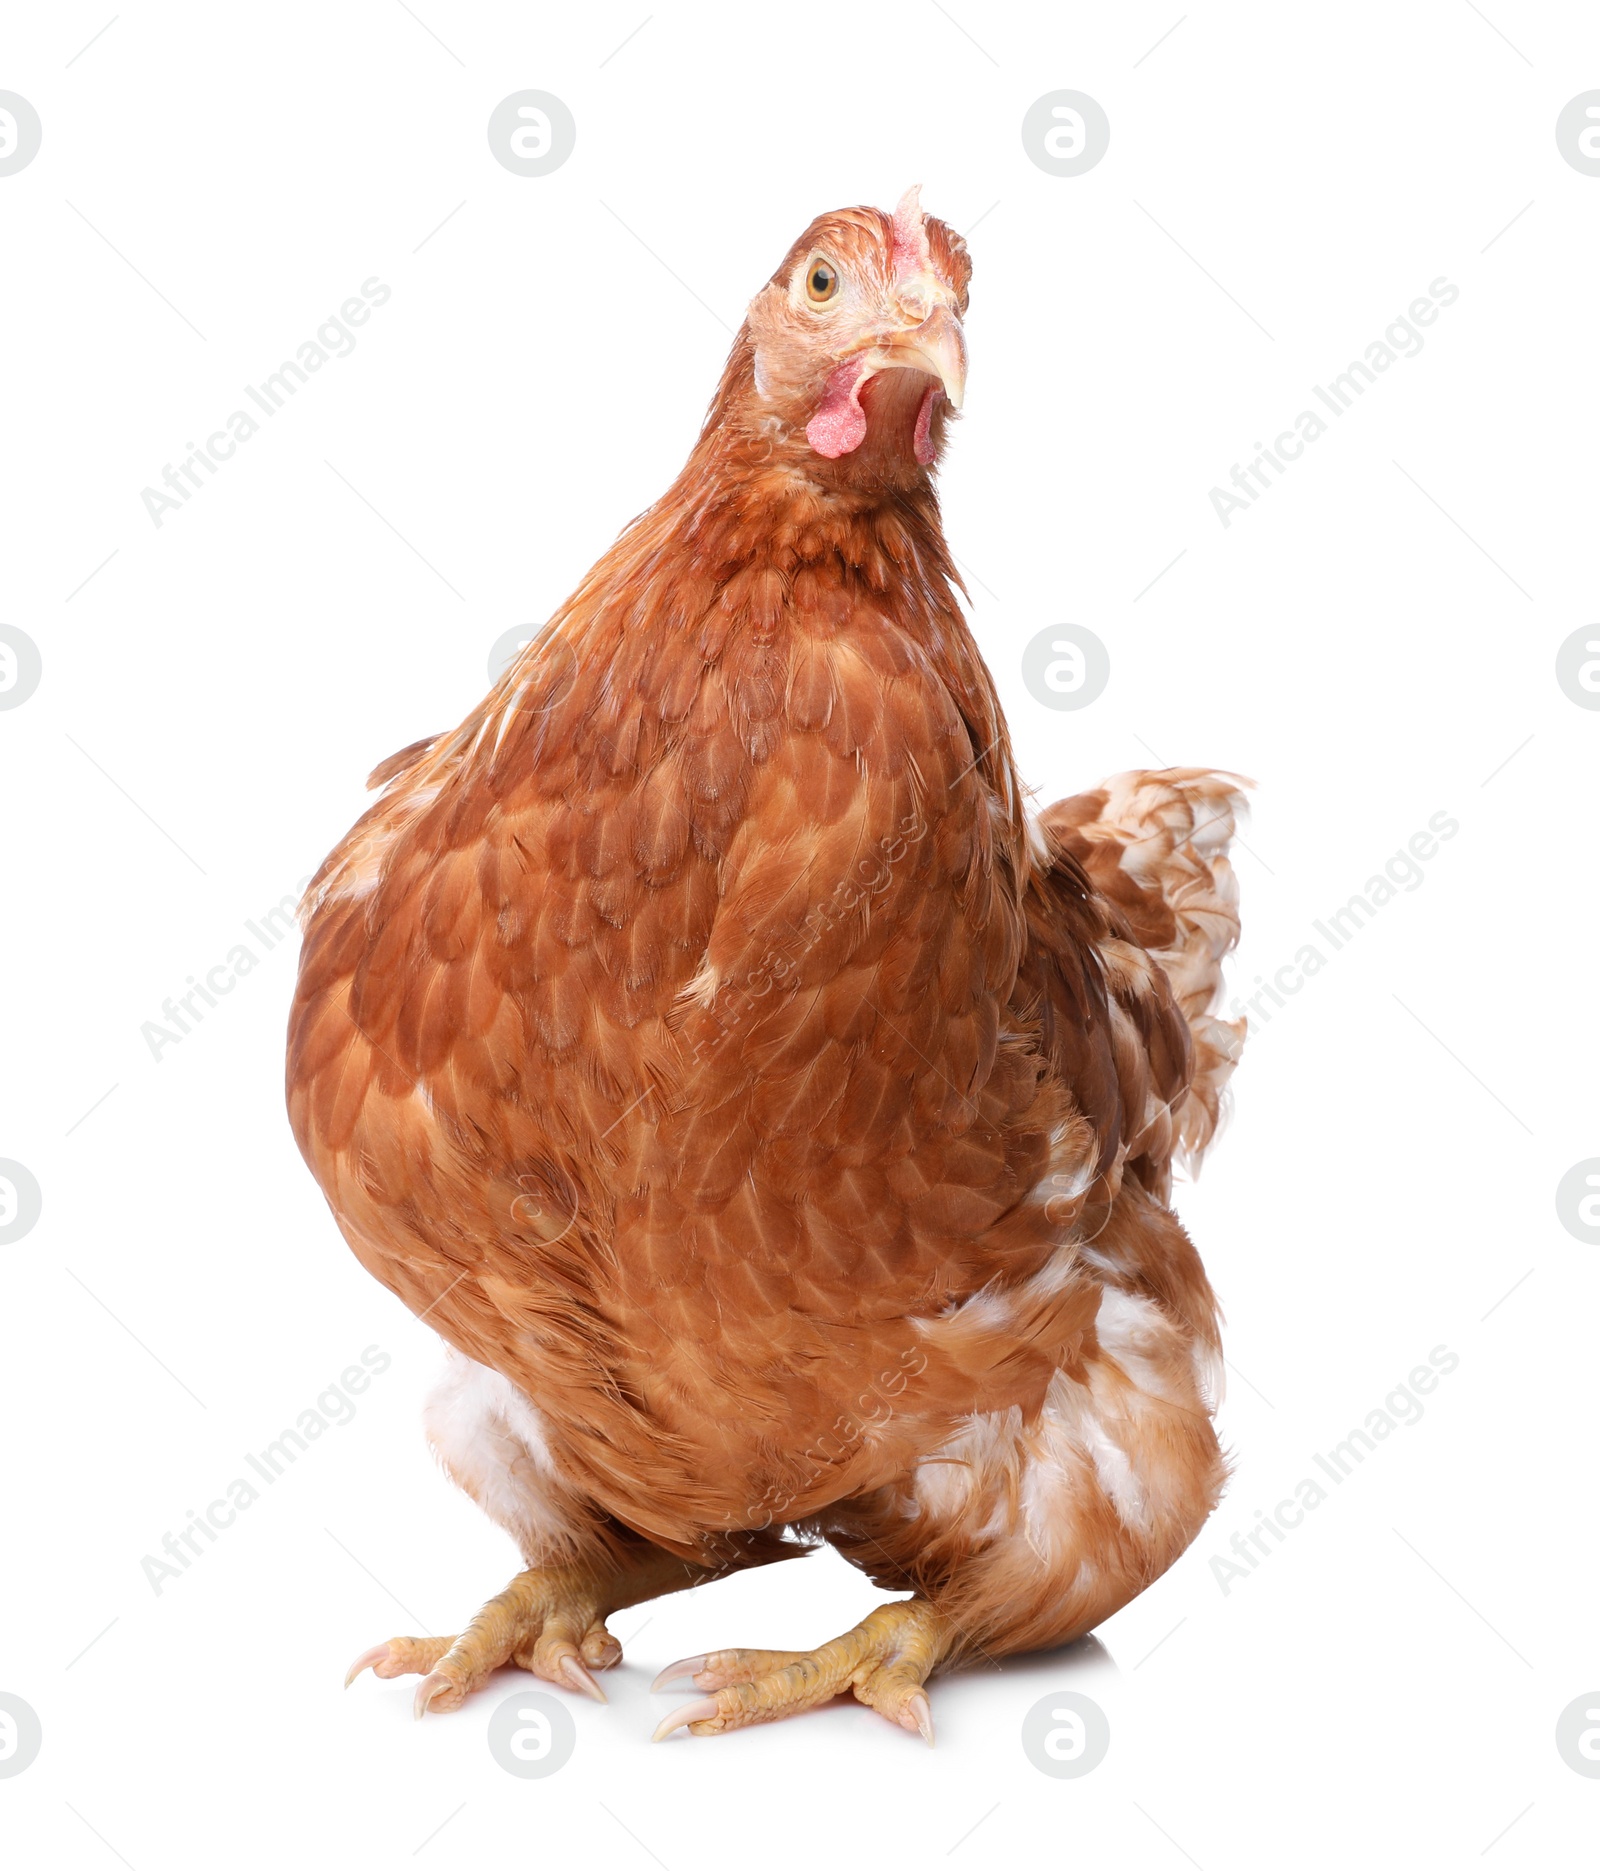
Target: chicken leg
x=550 y=1620
x=885 y=1661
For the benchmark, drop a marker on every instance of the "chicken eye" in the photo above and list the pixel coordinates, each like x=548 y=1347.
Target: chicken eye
x=821 y=282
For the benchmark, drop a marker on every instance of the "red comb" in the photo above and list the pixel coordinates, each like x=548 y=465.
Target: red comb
x=910 y=235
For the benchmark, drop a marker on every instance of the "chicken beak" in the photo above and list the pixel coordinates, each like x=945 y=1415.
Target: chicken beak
x=937 y=346
x=931 y=342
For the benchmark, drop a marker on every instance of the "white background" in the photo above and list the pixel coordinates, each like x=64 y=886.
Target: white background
x=1386 y=1684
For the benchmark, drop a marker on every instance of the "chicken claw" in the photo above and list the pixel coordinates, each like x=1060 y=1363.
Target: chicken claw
x=675 y=1672
x=401 y=1656
x=705 y=1709
x=884 y=1661
x=377 y=1654
x=579 y=1678
x=433 y=1684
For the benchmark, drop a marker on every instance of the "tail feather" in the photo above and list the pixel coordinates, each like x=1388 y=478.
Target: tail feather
x=1155 y=845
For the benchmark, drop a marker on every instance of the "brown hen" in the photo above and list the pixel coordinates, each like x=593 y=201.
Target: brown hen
x=774 y=1120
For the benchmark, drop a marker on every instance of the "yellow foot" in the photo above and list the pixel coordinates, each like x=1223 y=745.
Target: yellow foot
x=550 y=1621
x=885 y=1660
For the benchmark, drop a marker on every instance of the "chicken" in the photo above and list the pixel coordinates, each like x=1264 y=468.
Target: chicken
x=774 y=1118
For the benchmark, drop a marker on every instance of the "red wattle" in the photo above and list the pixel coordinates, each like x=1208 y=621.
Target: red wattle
x=922 y=442
x=840 y=423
